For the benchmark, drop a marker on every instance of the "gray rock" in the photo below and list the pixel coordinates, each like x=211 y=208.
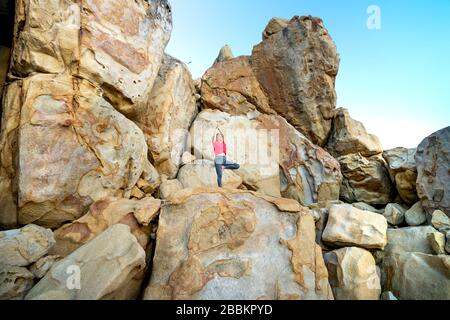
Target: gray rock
x=416 y=216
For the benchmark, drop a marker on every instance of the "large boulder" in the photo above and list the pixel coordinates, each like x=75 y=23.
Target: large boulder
x=237 y=246
x=353 y=274
x=66 y=147
x=170 y=110
x=412 y=239
x=274 y=157
x=116 y=44
x=102 y=215
x=231 y=86
x=108 y=267
x=365 y=180
x=296 y=66
x=417 y=276
x=15 y=282
x=202 y=173
x=401 y=164
x=349 y=226
x=22 y=247
x=349 y=136
x=433 y=167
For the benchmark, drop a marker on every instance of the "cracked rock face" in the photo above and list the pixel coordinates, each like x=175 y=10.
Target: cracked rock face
x=433 y=181
x=71 y=146
x=275 y=158
x=117 y=44
x=22 y=247
x=115 y=252
x=236 y=246
x=297 y=66
x=169 y=113
x=101 y=216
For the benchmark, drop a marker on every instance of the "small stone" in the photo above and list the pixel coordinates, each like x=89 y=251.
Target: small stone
x=437 y=242
x=416 y=216
x=15 y=282
x=441 y=221
x=395 y=214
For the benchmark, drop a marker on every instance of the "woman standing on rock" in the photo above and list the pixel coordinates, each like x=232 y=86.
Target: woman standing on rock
x=220 y=150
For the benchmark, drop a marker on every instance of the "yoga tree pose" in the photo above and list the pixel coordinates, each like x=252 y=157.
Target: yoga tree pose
x=220 y=150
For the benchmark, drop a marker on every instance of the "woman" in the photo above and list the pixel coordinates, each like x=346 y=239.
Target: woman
x=220 y=150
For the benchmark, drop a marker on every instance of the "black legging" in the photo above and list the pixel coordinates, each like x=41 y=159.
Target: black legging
x=222 y=162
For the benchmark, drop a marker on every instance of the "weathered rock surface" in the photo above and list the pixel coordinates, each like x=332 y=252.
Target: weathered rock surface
x=394 y=214
x=412 y=239
x=417 y=276
x=437 y=242
x=202 y=173
x=365 y=180
x=401 y=164
x=447 y=244
x=40 y=268
x=110 y=267
x=168 y=187
x=22 y=247
x=104 y=214
x=231 y=86
x=349 y=136
x=116 y=44
x=72 y=148
x=433 y=181
x=440 y=221
x=275 y=25
x=237 y=246
x=297 y=66
x=348 y=226
x=15 y=282
x=388 y=296
x=170 y=110
x=353 y=274
x=225 y=54
x=416 y=215
x=267 y=147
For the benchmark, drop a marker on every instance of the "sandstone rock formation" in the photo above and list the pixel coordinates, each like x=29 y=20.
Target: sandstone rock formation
x=416 y=215
x=22 y=247
x=104 y=214
x=225 y=54
x=417 y=276
x=237 y=246
x=437 y=242
x=412 y=239
x=275 y=25
x=40 y=268
x=348 y=226
x=94 y=151
x=349 y=136
x=203 y=173
x=394 y=214
x=365 y=179
x=107 y=267
x=433 y=181
x=266 y=146
x=402 y=168
x=170 y=110
x=116 y=44
x=353 y=274
x=297 y=68
x=168 y=187
x=15 y=282
x=231 y=86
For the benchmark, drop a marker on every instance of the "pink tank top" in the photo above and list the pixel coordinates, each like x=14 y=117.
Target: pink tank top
x=220 y=148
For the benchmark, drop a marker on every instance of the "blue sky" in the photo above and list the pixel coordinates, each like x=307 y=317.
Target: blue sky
x=395 y=80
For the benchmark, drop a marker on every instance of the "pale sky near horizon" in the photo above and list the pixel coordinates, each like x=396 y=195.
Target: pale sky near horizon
x=395 y=80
